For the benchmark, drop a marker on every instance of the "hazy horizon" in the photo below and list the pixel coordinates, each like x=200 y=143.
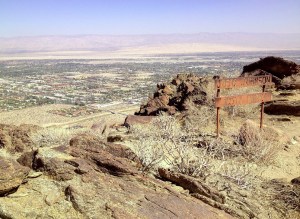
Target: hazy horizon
x=142 y=34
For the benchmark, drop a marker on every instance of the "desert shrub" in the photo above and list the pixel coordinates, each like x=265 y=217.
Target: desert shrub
x=245 y=111
x=192 y=163
x=52 y=136
x=165 y=143
x=200 y=120
x=218 y=148
x=239 y=173
x=150 y=153
x=253 y=145
x=151 y=140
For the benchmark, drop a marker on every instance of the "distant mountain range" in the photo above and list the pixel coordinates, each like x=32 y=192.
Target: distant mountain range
x=202 y=42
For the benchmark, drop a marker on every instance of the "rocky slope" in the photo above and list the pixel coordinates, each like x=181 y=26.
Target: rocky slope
x=88 y=179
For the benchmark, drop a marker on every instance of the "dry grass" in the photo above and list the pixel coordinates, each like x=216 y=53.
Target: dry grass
x=4 y=153
x=52 y=137
x=55 y=136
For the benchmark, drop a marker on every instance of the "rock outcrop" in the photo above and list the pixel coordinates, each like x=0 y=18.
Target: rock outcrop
x=278 y=67
x=90 y=178
x=296 y=181
x=195 y=186
x=174 y=96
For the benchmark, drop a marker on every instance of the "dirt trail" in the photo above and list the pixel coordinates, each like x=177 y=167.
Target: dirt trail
x=108 y=114
x=41 y=115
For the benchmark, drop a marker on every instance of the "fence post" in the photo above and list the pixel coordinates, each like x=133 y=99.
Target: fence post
x=262 y=109
x=218 y=115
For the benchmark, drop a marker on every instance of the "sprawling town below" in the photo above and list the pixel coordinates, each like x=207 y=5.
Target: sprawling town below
x=90 y=84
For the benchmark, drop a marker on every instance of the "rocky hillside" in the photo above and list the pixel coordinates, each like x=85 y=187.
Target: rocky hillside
x=168 y=165
x=87 y=178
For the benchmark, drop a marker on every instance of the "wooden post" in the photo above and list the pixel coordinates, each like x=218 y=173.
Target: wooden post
x=218 y=115
x=262 y=109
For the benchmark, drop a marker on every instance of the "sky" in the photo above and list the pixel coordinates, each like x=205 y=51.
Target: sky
x=125 y=17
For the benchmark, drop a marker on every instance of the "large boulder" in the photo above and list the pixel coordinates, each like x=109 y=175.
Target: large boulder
x=290 y=85
x=134 y=120
x=56 y=168
x=296 y=181
x=12 y=175
x=104 y=161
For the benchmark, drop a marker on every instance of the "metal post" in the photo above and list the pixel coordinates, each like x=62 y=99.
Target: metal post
x=262 y=109
x=218 y=115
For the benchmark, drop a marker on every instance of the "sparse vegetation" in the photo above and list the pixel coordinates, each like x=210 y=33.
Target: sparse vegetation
x=164 y=143
x=229 y=163
x=52 y=136
x=55 y=136
x=242 y=174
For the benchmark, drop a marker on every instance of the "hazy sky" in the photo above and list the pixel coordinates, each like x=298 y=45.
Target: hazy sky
x=68 y=17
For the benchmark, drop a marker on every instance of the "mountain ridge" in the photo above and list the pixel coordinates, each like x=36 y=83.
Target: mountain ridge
x=113 y=43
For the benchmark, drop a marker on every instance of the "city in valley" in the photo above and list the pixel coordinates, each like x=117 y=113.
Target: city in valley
x=90 y=84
